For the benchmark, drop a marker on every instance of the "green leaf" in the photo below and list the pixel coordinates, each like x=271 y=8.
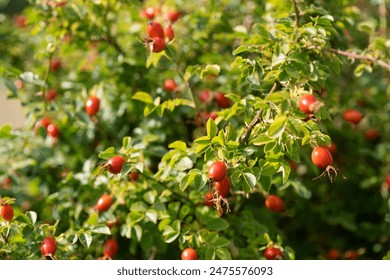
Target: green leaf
x=27 y=230
x=107 y=154
x=102 y=229
x=210 y=69
x=23 y=219
x=210 y=253
x=212 y=129
x=277 y=97
x=184 y=211
x=154 y=58
x=143 y=97
x=6 y=131
x=152 y=215
x=178 y=145
x=285 y=168
x=265 y=183
x=186 y=181
x=203 y=140
x=250 y=179
x=220 y=242
x=170 y=234
x=223 y=254
x=261 y=139
x=138 y=232
x=135 y=217
x=270 y=146
x=150 y=196
x=139 y=206
x=126 y=142
x=217 y=224
x=85 y=239
x=30 y=77
x=277 y=127
x=32 y=216
x=183 y=164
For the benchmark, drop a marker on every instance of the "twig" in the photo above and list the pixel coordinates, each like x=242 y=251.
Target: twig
x=297 y=13
x=380 y=62
x=256 y=119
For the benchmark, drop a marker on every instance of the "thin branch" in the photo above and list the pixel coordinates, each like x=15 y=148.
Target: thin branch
x=380 y=62
x=297 y=13
x=256 y=119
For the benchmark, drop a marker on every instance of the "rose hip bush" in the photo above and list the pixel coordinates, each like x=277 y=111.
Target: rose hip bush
x=158 y=127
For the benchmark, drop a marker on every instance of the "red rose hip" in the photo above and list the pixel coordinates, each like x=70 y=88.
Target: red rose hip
x=110 y=248
x=307 y=104
x=352 y=116
x=321 y=157
x=115 y=164
x=92 y=106
x=155 y=30
x=7 y=212
x=274 y=203
x=189 y=254
x=223 y=187
x=48 y=246
x=104 y=203
x=273 y=253
x=170 y=85
x=217 y=171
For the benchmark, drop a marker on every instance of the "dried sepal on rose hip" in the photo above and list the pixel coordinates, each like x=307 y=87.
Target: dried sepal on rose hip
x=322 y=158
x=308 y=104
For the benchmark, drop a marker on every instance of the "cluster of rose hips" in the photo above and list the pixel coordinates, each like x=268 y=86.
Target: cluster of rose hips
x=220 y=184
x=51 y=129
x=322 y=156
x=206 y=98
x=334 y=254
x=158 y=36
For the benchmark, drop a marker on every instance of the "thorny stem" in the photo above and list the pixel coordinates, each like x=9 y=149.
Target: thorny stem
x=256 y=119
x=380 y=62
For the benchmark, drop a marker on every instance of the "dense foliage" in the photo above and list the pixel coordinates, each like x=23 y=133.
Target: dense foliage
x=223 y=129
